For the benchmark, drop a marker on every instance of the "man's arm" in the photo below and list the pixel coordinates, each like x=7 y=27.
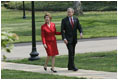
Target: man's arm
x=63 y=32
x=79 y=28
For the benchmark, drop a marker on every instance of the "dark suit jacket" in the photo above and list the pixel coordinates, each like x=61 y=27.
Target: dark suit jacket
x=68 y=32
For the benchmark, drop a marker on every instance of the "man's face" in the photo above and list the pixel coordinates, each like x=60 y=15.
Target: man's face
x=70 y=13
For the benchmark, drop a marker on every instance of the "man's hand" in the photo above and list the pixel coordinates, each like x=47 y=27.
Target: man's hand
x=81 y=35
x=65 y=41
x=45 y=45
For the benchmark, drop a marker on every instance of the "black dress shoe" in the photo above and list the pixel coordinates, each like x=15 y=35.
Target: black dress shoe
x=45 y=68
x=75 y=69
x=53 y=70
x=70 y=69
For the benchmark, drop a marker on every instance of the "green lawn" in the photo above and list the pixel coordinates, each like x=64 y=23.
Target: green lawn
x=95 y=24
x=15 y=74
x=101 y=61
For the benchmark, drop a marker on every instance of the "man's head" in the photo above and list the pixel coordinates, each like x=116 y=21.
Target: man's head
x=70 y=12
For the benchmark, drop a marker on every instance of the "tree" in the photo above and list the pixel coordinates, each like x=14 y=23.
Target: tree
x=77 y=8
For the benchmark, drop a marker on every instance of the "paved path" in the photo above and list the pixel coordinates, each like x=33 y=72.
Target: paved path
x=22 y=50
x=61 y=71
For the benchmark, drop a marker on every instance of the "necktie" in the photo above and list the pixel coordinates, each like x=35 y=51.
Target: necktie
x=72 y=23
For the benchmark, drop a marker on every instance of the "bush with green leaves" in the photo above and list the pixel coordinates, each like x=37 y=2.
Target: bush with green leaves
x=99 y=5
x=41 y=5
x=7 y=40
x=63 y=5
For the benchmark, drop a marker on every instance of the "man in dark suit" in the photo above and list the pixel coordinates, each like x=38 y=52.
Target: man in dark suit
x=69 y=26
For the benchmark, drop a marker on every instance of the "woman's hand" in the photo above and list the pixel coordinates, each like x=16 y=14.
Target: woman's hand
x=45 y=45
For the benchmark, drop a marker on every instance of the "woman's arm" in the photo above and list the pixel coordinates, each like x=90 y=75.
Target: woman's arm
x=57 y=33
x=43 y=35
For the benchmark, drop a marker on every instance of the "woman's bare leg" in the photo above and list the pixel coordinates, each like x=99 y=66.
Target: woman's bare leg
x=46 y=61
x=53 y=62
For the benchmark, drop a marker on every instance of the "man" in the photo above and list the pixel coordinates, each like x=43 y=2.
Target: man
x=69 y=26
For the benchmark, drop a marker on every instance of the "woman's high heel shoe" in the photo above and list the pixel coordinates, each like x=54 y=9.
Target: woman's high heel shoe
x=53 y=70
x=45 y=68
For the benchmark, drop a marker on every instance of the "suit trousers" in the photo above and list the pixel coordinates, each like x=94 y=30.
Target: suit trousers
x=71 y=54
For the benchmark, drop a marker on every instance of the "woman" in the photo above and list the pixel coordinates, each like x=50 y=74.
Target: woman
x=48 y=32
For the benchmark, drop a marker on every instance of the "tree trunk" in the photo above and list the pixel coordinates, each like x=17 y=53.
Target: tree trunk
x=77 y=8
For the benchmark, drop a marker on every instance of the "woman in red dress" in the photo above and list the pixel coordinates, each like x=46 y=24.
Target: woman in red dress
x=48 y=32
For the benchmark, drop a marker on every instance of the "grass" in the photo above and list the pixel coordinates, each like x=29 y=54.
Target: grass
x=15 y=74
x=95 y=24
x=100 y=61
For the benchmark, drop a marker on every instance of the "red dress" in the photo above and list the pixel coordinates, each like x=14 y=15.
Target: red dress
x=48 y=38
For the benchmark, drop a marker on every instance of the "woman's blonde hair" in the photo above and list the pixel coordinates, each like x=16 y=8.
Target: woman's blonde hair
x=47 y=14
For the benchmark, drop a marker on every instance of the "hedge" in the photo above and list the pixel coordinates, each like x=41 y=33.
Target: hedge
x=63 y=5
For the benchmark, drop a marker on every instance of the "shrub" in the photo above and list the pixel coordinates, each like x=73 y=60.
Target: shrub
x=41 y=6
x=63 y=5
x=7 y=39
